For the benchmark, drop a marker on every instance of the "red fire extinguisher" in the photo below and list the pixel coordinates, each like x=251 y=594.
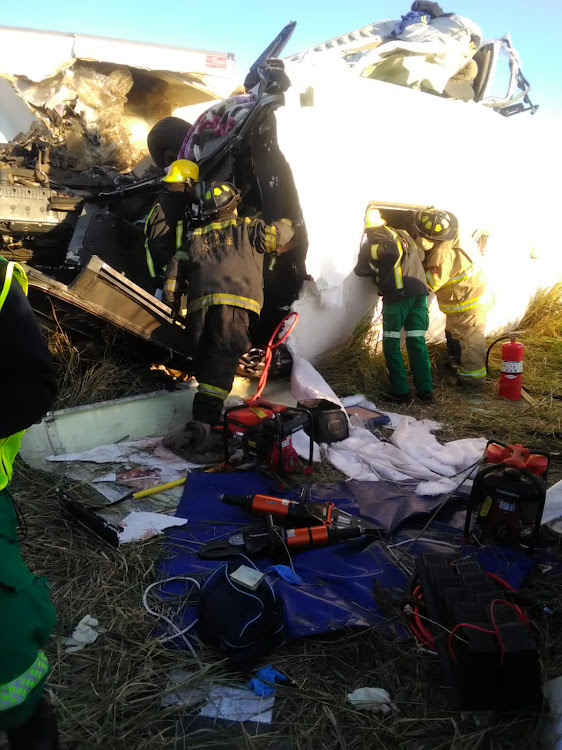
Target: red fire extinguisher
x=512 y=370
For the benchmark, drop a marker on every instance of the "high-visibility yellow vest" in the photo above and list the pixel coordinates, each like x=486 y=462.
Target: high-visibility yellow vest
x=9 y=446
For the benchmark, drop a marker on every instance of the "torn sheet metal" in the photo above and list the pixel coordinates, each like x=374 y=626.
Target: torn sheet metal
x=99 y=97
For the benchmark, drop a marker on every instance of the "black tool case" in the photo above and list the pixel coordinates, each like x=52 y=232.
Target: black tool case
x=463 y=592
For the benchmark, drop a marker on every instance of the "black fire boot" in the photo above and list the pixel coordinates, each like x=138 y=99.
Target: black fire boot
x=38 y=733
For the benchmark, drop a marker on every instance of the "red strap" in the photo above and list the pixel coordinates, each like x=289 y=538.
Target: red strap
x=273 y=344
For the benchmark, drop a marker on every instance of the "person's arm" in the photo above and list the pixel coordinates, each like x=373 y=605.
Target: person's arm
x=438 y=265
x=273 y=238
x=27 y=376
x=363 y=265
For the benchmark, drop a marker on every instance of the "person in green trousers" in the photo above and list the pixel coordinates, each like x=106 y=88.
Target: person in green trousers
x=27 y=390
x=392 y=259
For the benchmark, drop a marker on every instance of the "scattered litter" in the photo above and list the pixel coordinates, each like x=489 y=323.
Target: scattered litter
x=552 y=730
x=140 y=525
x=86 y=632
x=140 y=478
x=148 y=453
x=372 y=699
x=262 y=684
x=228 y=702
x=553 y=507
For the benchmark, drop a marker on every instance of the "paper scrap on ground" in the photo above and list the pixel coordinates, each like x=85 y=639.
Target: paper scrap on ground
x=148 y=452
x=552 y=725
x=228 y=702
x=86 y=632
x=553 y=507
x=372 y=699
x=140 y=525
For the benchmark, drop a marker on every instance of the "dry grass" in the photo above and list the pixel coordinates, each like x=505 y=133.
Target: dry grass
x=94 y=370
x=109 y=694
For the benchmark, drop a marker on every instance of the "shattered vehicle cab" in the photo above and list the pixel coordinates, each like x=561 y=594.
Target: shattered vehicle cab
x=76 y=186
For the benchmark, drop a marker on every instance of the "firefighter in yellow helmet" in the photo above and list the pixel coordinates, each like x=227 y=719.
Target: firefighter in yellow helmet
x=170 y=217
x=459 y=288
x=222 y=263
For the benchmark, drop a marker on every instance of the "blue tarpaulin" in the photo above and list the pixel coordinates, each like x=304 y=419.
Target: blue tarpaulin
x=340 y=583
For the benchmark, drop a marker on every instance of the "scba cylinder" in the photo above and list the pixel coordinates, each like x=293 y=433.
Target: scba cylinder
x=512 y=370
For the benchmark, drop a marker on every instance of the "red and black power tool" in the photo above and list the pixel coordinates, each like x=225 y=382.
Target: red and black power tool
x=508 y=495
x=324 y=524
x=264 y=428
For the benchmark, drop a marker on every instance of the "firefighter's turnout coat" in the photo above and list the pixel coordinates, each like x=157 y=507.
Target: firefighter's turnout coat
x=222 y=261
x=459 y=288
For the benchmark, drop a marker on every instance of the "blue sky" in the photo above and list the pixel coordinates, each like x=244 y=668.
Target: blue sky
x=246 y=28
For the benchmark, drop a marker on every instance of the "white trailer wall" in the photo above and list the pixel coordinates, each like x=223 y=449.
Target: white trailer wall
x=366 y=140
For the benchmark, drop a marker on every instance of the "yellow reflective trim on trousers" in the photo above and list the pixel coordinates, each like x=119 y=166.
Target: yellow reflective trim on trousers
x=224 y=299
x=16 y=691
x=152 y=210
x=459 y=307
x=270 y=238
x=179 y=234
x=375 y=252
x=212 y=390
x=471 y=373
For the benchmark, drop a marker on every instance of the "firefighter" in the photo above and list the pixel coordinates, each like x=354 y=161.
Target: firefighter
x=170 y=217
x=222 y=261
x=28 y=388
x=459 y=288
x=394 y=261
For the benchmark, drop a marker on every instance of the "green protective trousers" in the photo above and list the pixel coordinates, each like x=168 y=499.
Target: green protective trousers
x=27 y=619
x=412 y=315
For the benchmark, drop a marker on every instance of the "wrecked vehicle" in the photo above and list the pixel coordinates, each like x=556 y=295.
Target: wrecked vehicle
x=79 y=227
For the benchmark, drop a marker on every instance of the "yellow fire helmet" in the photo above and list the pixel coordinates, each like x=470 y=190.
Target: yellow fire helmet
x=182 y=170
x=373 y=218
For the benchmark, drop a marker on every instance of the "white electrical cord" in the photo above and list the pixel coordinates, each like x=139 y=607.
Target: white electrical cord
x=178 y=633
x=426 y=539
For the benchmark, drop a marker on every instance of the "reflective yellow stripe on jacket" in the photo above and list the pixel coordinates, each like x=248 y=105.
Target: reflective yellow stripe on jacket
x=149 y=261
x=9 y=446
x=16 y=691
x=179 y=234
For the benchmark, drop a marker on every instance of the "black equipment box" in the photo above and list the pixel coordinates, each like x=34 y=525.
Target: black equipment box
x=489 y=658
